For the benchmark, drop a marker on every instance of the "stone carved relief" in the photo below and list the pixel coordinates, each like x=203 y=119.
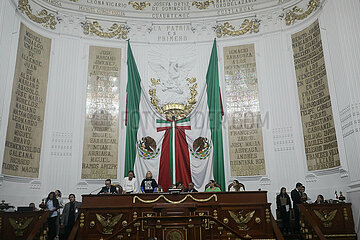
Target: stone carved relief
x=116 y=30
x=42 y=16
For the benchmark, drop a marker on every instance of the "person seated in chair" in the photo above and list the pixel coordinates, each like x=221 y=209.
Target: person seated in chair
x=180 y=185
x=130 y=183
x=191 y=188
x=320 y=199
x=235 y=186
x=212 y=187
x=108 y=188
x=148 y=185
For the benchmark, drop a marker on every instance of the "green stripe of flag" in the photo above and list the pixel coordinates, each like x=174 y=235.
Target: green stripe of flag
x=214 y=104
x=133 y=91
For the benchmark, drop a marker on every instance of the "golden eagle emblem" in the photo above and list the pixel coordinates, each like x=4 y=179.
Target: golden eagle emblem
x=20 y=225
x=242 y=220
x=326 y=217
x=108 y=222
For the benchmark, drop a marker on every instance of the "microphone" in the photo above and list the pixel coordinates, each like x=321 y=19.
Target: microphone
x=97 y=189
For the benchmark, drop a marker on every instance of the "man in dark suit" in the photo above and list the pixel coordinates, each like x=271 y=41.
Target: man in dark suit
x=190 y=188
x=108 y=188
x=70 y=214
x=296 y=198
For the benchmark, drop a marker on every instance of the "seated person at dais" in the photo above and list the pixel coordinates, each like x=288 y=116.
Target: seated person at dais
x=32 y=205
x=212 y=187
x=148 y=185
x=320 y=199
x=191 y=187
x=180 y=185
x=130 y=183
x=108 y=188
x=235 y=186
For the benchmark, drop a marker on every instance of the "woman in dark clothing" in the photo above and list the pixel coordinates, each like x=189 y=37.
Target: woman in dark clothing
x=283 y=204
x=320 y=199
x=52 y=205
x=149 y=184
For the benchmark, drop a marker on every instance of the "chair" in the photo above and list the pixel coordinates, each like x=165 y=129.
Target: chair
x=216 y=185
x=240 y=185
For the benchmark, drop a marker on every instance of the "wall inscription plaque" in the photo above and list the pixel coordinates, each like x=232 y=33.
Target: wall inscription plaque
x=315 y=105
x=27 y=106
x=243 y=112
x=101 y=135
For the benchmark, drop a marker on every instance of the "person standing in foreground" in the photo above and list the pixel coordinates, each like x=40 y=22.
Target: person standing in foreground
x=296 y=198
x=283 y=204
x=70 y=214
x=52 y=205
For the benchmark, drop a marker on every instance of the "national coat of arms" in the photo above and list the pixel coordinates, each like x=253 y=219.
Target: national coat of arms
x=201 y=148
x=146 y=148
x=173 y=92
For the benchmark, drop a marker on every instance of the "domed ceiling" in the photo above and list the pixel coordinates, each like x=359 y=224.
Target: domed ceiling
x=177 y=21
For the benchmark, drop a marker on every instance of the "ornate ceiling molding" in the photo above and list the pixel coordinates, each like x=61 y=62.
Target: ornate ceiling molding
x=202 y=5
x=247 y=26
x=292 y=15
x=139 y=5
x=42 y=17
x=115 y=31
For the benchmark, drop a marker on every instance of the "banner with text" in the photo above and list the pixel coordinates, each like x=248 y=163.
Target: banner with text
x=243 y=111
x=27 y=106
x=315 y=105
x=101 y=135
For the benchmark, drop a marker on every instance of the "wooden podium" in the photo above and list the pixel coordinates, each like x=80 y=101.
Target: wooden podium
x=334 y=221
x=223 y=215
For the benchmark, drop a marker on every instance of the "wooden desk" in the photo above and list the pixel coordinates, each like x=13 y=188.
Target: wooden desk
x=230 y=215
x=19 y=225
x=334 y=220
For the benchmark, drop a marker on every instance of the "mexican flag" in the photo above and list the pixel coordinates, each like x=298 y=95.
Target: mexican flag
x=176 y=141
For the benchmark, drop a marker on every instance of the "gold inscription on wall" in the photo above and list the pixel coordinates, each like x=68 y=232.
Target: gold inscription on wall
x=101 y=135
x=27 y=106
x=316 y=114
x=243 y=111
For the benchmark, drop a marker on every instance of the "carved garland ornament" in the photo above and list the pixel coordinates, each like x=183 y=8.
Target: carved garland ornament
x=292 y=16
x=139 y=5
x=248 y=26
x=175 y=202
x=115 y=31
x=202 y=5
x=43 y=17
